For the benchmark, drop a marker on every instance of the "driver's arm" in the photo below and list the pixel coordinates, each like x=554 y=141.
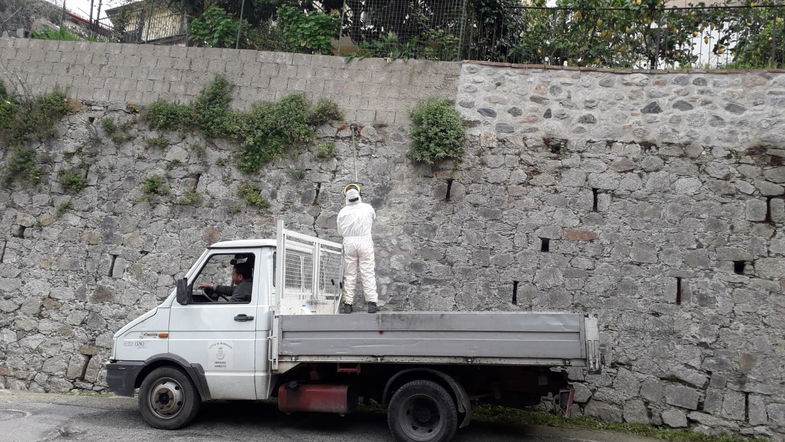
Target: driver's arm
x=224 y=290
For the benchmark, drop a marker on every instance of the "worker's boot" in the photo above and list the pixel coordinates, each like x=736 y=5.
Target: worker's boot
x=346 y=308
x=372 y=307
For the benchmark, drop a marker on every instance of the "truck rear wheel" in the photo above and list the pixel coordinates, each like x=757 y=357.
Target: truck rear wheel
x=422 y=411
x=168 y=399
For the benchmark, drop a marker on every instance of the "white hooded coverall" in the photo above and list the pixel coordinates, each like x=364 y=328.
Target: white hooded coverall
x=354 y=225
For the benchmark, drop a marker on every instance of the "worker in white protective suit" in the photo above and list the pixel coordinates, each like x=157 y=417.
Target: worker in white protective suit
x=355 y=221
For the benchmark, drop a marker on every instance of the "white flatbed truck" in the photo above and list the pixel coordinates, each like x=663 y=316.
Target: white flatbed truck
x=288 y=343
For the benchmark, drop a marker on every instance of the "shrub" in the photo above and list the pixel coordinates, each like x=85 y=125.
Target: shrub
x=308 y=33
x=250 y=192
x=167 y=116
x=210 y=109
x=270 y=128
x=215 y=28
x=266 y=37
x=263 y=133
x=30 y=118
x=22 y=166
x=437 y=132
x=109 y=126
x=72 y=180
x=324 y=112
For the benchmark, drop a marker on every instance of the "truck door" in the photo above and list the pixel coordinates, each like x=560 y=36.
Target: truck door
x=217 y=330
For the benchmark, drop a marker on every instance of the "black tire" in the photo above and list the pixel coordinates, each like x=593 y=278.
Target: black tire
x=422 y=411
x=168 y=399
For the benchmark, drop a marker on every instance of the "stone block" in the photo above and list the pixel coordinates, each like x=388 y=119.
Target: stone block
x=636 y=411
x=777 y=210
x=770 y=268
x=681 y=396
x=734 y=405
x=644 y=253
x=582 y=393
x=757 y=410
x=573 y=178
x=579 y=235
x=755 y=210
x=776 y=413
x=711 y=421
x=712 y=404
x=776 y=174
x=604 y=412
x=687 y=186
x=674 y=418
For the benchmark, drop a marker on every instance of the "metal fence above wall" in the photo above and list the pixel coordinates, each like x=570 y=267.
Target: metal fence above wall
x=693 y=37
x=406 y=28
x=636 y=36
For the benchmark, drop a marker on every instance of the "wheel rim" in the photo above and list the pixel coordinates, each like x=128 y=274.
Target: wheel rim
x=166 y=398
x=420 y=418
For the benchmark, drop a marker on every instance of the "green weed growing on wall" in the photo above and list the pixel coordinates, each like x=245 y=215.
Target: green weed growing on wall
x=72 y=180
x=108 y=125
x=157 y=142
x=154 y=185
x=437 y=132
x=52 y=34
x=22 y=166
x=264 y=133
x=251 y=193
x=25 y=118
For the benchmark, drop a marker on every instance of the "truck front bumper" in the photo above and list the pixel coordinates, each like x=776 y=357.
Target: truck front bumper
x=121 y=376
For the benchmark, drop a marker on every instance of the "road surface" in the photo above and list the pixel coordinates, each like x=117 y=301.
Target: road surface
x=46 y=417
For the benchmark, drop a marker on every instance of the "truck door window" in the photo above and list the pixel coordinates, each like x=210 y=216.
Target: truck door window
x=225 y=278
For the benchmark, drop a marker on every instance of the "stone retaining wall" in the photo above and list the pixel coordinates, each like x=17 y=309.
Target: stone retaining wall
x=370 y=90
x=654 y=200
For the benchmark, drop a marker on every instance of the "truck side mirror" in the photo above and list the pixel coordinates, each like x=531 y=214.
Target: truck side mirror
x=183 y=292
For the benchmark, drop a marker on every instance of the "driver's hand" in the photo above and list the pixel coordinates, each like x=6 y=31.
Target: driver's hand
x=206 y=285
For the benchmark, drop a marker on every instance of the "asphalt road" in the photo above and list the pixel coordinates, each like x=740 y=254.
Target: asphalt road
x=45 y=417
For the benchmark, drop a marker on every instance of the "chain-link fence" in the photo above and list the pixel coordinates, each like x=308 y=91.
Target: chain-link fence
x=642 y=37
x=430 y=29
x=693 y=37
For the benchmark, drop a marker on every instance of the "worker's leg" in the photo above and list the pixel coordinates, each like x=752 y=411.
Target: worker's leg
x=350 y=260
x=368 y=271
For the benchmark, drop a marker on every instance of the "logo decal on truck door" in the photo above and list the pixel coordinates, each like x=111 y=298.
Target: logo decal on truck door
x=220 y=355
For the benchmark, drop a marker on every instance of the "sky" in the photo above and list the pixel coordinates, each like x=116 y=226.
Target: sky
x=82 y=7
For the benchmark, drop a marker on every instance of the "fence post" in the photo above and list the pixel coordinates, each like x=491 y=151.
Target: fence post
x=463 y=27
x=239 y=25
x=62 y=23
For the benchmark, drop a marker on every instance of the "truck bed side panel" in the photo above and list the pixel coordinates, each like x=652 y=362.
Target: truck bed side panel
x=481 y=335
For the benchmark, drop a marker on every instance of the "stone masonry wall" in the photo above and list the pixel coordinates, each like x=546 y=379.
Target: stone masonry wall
x=655 y=200
x=370 y=90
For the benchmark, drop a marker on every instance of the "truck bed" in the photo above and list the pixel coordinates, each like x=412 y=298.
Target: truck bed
x=498 y=338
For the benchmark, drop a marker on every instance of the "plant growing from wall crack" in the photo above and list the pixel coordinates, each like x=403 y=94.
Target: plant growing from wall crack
x=264 y=133
x=437 y=132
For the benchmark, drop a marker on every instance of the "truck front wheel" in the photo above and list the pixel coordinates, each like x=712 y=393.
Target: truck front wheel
x=168 y=399
x=422 y=411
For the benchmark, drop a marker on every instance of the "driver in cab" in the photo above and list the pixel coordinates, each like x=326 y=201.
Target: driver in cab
x=239 y=291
